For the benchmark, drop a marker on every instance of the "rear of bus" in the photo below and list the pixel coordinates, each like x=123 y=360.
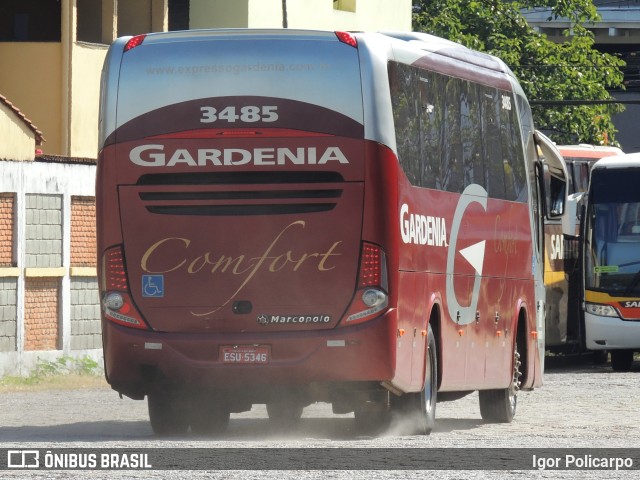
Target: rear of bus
x=233 y=251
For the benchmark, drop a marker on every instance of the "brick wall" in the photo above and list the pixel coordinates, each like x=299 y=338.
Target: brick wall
x=41 y=313
x=83 y=231
x=6 y=229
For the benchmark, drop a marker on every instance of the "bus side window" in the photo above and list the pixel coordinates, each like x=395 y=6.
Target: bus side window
x=431 y=119
x=454 y=173
x=490 y=140
x=405 y=104
x=512 y=159
x=471 y=136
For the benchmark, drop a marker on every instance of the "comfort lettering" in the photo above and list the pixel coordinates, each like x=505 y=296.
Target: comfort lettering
x=174 y=254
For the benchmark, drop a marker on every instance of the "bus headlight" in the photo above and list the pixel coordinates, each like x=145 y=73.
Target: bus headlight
x=600 y=310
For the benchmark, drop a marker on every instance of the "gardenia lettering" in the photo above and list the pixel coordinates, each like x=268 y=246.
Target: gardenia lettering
x=422 y=229
x=155 y=156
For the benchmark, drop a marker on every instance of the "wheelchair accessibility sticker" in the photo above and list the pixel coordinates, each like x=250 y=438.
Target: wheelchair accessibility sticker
x=153 y=286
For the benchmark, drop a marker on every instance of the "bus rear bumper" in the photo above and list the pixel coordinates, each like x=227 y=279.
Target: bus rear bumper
x=137 y=362
x=609 y=333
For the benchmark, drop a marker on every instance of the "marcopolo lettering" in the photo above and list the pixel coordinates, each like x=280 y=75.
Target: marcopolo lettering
x=156 y=156
x=280 y=319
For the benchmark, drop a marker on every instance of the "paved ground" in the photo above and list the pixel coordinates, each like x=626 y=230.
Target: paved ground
x=580 y=406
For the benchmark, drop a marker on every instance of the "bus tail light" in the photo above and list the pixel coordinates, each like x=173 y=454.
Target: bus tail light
x=117 y=304
x=348 y=38
x=371 y=295
x=134 y=42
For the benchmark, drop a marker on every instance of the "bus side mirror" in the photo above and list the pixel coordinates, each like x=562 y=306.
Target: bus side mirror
x=570 y=221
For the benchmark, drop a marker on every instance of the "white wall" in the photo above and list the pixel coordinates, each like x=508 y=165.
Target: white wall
x=369 y=15
x=66 y=180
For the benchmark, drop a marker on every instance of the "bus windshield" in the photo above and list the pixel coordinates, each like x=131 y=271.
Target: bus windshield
x=613 y=233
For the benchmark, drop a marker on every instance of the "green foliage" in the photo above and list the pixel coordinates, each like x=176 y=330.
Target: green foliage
x=547 y=71
x=64 y=365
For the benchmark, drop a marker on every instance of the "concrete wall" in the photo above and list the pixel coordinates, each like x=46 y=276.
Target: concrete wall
x=368 y=15
x=371 y=15
x=85 y=99
x=219 y=13
x=48 y=287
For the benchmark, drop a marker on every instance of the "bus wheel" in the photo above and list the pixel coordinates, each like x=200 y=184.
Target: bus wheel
x=621 y=360
x=499 y=406
x=420 y=408
x=167 y=414
x=208 y=417
x=284 y=414
x=600 y=357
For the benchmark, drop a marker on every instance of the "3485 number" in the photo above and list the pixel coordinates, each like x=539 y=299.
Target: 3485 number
x=247 y=114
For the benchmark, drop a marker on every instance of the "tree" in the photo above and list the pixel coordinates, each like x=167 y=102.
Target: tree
x=548 y=71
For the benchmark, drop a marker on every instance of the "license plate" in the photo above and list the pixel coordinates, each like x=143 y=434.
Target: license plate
x=245 y=355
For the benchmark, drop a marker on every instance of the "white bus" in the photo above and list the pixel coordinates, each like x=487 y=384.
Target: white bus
x=562 y=273
x=612 y=259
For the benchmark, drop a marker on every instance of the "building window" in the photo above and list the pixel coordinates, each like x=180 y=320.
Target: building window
x=345 y=5
x=89 y=27
x=30 y=21
x=178 y=15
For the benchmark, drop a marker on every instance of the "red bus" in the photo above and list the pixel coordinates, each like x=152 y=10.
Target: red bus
x=290 y=217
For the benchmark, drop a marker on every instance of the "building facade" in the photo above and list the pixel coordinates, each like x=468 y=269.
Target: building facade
x=51 y=51
x=48 y=286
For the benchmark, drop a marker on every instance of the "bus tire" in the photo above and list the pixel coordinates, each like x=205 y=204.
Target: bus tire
x=284 y=414
x=430 y=392
x=621 y=360
x=600 y=357
x=499 y=406
x=208 y=417
x=167 y=414
x=420 y=407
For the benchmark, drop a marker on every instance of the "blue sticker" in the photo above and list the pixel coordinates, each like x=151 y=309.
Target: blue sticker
x=153 y=286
